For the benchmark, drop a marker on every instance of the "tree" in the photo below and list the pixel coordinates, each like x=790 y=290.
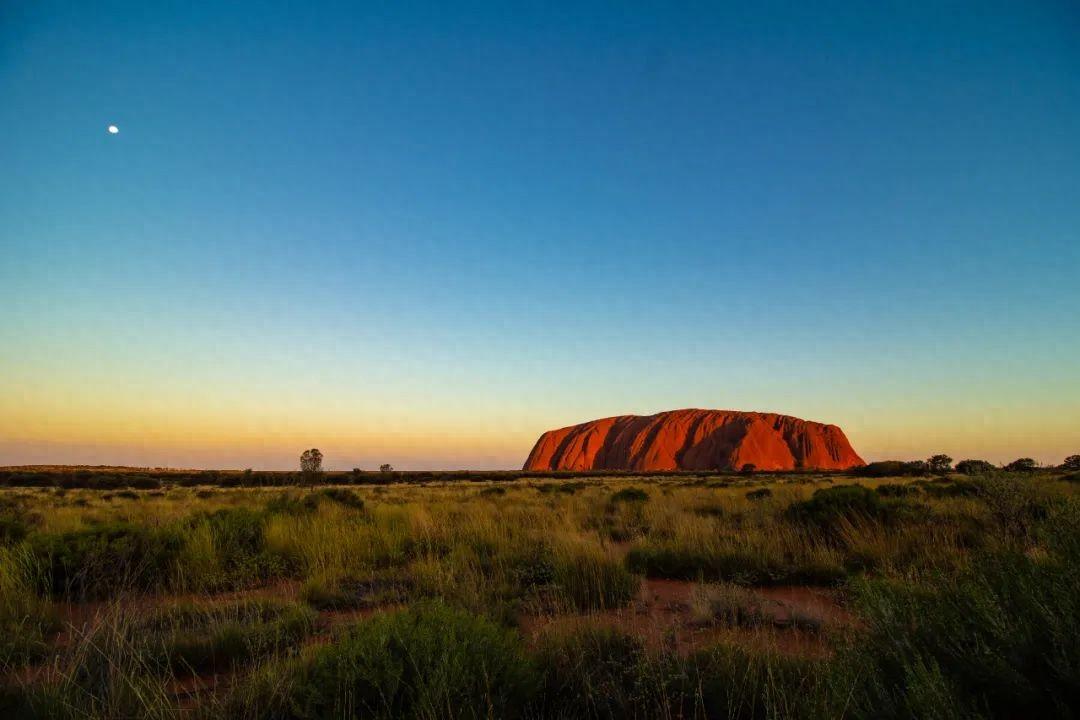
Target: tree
x=1071 y=463
x=311 y=465
x=386 y=467
x=974 y=467
x=1021 y=465
x=939 y=464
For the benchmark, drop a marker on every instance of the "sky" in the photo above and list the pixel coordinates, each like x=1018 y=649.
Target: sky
x=424 y=233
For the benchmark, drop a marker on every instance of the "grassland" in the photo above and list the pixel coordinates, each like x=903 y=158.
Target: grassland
x=531 y=597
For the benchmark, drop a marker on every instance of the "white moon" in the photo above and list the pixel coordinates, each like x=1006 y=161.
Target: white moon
x=113 y=129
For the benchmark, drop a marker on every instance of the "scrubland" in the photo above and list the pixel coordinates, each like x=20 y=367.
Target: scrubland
x=650 y=597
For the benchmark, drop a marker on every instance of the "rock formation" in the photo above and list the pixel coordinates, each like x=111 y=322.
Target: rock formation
x=694 y=440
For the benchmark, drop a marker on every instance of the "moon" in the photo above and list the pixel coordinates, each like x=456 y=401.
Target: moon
x=113 y=129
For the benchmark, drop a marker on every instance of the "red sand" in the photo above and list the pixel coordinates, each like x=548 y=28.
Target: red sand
x=695 y=440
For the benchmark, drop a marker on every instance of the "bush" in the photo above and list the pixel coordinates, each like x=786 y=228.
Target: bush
x=1000 y=641
x=891 y=468
x=589 y=579
x=738 y=566
x=1026 y=465
x=974 y=467
x=594 y=672
x=829 y=505
x=348 y=592
x=1071 y=463
x=193 y=638
x=629 y=495
x=342 y=496
x=240 y=556
x=103 y=561
x=738 y=683
x=425 y=662
x=26 y=619
x=14 y=523
x=896 y=490
x=759 y=494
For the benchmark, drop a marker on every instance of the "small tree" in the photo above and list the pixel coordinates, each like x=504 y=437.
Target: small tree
x=939 y=464
x=1071 y=463
x=1021 y=465
x=386 y=467
x=311 y=465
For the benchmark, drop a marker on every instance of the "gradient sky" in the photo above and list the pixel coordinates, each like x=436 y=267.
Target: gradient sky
x=423 y=233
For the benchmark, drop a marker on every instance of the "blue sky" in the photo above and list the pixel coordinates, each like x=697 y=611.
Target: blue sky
x=423 y=233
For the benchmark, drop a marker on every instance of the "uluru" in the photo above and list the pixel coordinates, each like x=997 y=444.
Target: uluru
x=695 y=440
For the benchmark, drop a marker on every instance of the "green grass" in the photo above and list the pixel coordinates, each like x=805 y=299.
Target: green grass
x=964 y=590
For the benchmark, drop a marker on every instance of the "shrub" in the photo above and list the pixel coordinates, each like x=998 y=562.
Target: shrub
x=291 y=503
x=425 y=662
x=1026 y=465
x=896 y=490
x=105 y=560
x=14 y=523
x=590 y=579
x=348 y=592
x=593 y=672
x=960 y=488
x=342 y=496
x=890 y=468
x=629 y=495
x=1071 y=463
x=238 y=544
x=759 y=494
x=999 y=641
x=974 y=467
x=26 y=619
x=739 y=566
x=194 y=638
x=828 y=505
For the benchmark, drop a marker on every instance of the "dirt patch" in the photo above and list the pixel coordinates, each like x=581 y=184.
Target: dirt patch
x=675 y=614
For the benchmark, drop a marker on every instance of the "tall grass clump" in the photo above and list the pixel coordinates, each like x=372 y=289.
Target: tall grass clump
x=1001 y=639
x=426 y=662
x=105 y=560
x=27 y=620
x=603 y=673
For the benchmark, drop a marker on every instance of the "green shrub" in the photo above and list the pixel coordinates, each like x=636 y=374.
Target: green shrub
x=629 y=495
x=974 y=467
x=945 y=489
x=14 y=522
x=290 y=503
x=738 y=683
x=737 y=566
x=830 y=510
x=342 y=496
x=896 y=490
x=1000 y=641
x=426 y=662
x=105 y=560
x=194 y=638
x=590 y=579
x=348 y=592
x=891 y=468
x=26 y=619
x=594 y=672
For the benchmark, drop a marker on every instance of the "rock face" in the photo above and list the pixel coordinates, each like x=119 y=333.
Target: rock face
x=694 y=440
